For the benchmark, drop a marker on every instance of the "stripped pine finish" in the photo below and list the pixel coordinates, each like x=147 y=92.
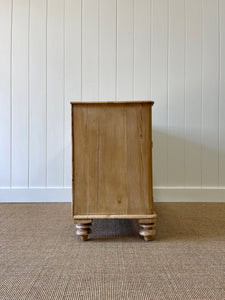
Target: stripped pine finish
x=112 y=162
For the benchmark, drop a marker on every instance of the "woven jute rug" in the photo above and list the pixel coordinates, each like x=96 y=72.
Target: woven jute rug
x=42 y=258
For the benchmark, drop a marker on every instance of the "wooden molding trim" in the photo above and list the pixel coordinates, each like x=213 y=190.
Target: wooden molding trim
x=81 y=217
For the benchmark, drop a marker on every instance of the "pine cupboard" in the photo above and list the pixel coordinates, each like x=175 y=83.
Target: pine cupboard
x=112 y=164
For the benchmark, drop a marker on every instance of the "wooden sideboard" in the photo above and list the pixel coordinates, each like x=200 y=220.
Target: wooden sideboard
x=112 y=164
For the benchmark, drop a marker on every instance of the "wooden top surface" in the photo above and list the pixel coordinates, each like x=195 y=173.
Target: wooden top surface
x=113 y=102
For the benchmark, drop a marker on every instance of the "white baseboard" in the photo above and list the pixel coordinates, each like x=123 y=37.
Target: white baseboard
x=161 y=194
x=35 y=195
x=189 y=194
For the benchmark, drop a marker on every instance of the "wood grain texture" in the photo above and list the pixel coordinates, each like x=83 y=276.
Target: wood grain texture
x=139 y=158
x=112 y=159
x=145 y=218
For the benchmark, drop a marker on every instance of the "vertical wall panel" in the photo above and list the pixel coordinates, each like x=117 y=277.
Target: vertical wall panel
x=142 y=49
x=55 y=92
x=125 y=46
x=159 y=88
x=20 y=93
x=176 y=93
x=222 y=94
x=37 y=93
x=72 y=75
x=107 y=49
x=210 y=94
x=169 y=51
x=90 y=48
x=5 y=93
x=193 y=93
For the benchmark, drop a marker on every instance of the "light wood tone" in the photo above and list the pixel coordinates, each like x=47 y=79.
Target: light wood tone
x=83 y=229
x=147 y=228
x=144 y=218
x=82 y=221
x=113 y=102
x=112 y=160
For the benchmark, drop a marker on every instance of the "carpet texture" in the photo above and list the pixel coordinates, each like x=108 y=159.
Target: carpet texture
x=42 y=258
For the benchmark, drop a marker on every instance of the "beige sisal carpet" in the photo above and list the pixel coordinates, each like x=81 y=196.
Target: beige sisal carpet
x=42 y=258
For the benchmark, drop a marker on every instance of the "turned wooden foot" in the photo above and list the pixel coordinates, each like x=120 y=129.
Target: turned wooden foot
x=83 y=229
x=147 y=227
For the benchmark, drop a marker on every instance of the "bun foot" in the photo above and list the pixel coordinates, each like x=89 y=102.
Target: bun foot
x=83 y=229
x=147 y=227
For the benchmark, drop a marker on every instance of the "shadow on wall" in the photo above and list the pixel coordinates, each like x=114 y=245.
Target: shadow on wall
x=190 y=161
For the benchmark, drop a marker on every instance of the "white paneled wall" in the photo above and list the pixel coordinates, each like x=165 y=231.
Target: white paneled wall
x=37 y=94
x=169 y=51
x=5 y=93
